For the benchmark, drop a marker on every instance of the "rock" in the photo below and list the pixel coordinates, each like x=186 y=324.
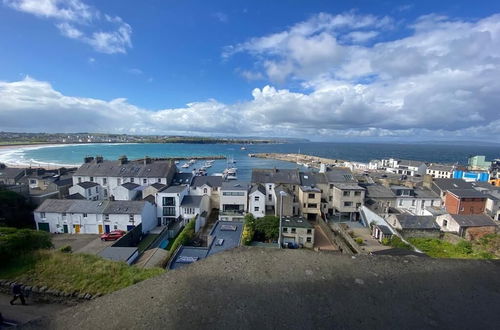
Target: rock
x=359 y=281
x=81 y=296
x=35 y=289
x=68 y=294
x=28 y=288
x=88 y=296
x=43 y=289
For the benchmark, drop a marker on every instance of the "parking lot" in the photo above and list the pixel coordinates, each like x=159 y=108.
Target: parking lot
x=82 y=243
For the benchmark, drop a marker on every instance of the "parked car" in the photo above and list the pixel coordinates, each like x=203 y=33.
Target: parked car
x=113 y=235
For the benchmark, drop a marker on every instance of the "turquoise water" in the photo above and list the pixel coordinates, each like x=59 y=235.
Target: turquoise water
x=363 y=152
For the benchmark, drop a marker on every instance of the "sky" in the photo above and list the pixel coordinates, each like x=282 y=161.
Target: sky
x=321 y=70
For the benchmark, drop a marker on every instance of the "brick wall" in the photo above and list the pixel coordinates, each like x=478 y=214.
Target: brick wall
x=464 y=206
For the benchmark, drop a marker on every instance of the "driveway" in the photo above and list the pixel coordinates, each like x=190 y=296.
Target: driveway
x=370 y=244
x=321 y=241
x=81 y=243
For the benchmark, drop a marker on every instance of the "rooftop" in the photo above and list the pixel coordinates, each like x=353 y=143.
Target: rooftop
x=229 y=231
x=447 y=184
x=467 y=193
x=235 y=185
x=274 y=175
x=378 y=191
x=258 y=187
x=209 y=180
x=130 y=185
x=191 y=201
x=409 y=221
x=118 y=253
x=476 y=220
x=91 y=207
x=173 y=189
x=298 y=222
x=132 y=168
x=87 y=184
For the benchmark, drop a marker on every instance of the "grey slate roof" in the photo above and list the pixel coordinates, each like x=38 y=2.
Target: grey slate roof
x=235 y=185
x=87 y=184
x=409 y=221
x=182 y=178
x=130 y=185
x=476 y=220
x=118 y=253
x=447 y=184
x=209 y=180
x=467 y=193
x=348 y=186
x=338 y=174
x=91 y=207
x=441 y=167
x=296 y=222
x=258 y=187
x=158 y=185
x=75 y=196
x=173 y=189
x=274 y=175
x=384 y=229
x=425 y=193
x=378 y=191
x=11 y=173
x=135 y=168
x=191 y=201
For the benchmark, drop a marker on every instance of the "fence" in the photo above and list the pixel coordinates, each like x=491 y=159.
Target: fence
x=130 y=239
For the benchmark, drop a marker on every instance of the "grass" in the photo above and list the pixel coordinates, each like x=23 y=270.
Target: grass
x=484 y=248
x=70 y=272
x=144 y=244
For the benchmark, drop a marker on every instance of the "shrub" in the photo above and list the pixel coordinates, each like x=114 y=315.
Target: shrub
x=248 y=229
x=396 y=242
x=185 y=236
x=65 y=249
x=268 y=227
x=359 y=240
x=14 y=242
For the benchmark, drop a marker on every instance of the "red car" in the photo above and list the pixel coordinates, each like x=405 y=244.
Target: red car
x=113 y=235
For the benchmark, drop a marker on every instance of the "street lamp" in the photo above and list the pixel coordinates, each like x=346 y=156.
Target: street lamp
x=282 y=193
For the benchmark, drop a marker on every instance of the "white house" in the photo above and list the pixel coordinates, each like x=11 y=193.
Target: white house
x=88 y=190
x=93 y=217
x=415 y=201
x=233 y=201
x=207 y=185
x=127 y=191
x=168 y=203
x=111 y=174
x=257 y=201
x=195 y=206
x=404 y=167
x=440 y=171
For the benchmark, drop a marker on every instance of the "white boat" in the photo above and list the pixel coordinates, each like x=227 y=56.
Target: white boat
x=211 y=161
x=185 y=165
x=243 y=148
x=230 y=171
x=176 y=162
x=231 y=177
x=192 y=161
x=207 y=165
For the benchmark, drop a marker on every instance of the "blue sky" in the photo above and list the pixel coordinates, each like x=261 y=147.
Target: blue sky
x=324 y=68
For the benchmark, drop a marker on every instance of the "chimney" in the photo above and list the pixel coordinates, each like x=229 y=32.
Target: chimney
x=99 y=159
x=88 y=159
x=147 y=160
x=123 y=160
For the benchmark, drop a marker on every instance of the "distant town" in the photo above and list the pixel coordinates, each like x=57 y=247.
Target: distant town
x=11 y=138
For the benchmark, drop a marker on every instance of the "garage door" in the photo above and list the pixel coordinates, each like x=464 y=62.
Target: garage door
x=44 y=226
x=288 y=240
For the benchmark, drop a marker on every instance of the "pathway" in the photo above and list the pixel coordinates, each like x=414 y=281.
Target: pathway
x=321 y=240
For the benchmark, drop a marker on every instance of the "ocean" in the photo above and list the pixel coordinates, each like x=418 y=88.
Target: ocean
x=72 y=155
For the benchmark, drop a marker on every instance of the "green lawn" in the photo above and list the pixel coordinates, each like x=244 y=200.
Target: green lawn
x=70 y=272
x=143 y=245
x=485 y=248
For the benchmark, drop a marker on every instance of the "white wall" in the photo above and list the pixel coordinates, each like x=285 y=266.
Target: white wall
x=261 y=204
x=414 y=205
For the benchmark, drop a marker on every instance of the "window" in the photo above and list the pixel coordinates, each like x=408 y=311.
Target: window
x=312 y=205
x=42 y=215
x=105 y=192
x=270 y=197
x=413 y=202
x=96 y=190
x=233 y=193
x=309 y=231
x=132 y=180
x=205 y=190
x=168 y=201
x=256 y=209
x=79 y=180
x=330 y=198
x=131 y=217
x=118 y=181
x=400 y=202
x=256 y=198
x=106 y=217
x=331 y=186
x=285 y=230
x=32 y=181
x=312 y=196
x=104 y=181
x=270 y=187
x=294 y=230
x=115 y=227
x=357 y=193
x=309 y=240
x=169 y=211
x=445 y=223
x=85 y=215
x=358 y=205
x=64 y=214
x=91 y=179
x=346 y=193
x=159 y=179
x=347 y=203
x=144 y=181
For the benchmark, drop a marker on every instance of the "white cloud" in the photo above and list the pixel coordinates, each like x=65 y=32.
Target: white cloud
x=77 y=20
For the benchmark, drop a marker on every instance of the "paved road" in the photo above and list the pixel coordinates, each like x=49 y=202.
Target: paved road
x=82 y=243
x=257 y=288
x=22 y=314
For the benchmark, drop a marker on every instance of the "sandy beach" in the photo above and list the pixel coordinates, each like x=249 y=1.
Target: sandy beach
x=6 y=150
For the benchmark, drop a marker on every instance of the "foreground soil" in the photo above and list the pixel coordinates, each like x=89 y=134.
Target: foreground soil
x=256 y=288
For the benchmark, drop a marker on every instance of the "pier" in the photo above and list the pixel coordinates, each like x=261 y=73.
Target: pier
x=300 y=159
x=190 y=157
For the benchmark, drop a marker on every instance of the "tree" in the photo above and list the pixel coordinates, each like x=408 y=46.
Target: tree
x=268 y=227
x=248 y=229
x=15 y=211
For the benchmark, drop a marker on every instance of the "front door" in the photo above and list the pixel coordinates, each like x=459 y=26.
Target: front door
x=106 y=228
x=77 y=229
x=65 y=229
x=99 y=228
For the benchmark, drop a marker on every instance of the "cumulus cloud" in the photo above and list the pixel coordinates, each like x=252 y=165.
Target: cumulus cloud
x=79 y=21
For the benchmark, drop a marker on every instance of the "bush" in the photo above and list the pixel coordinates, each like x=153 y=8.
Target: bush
x=396 y=242
x=359 y=240
x=65 y=249
x=14 y=242
x=248 y=229
x=185 y=236
x=268 y=227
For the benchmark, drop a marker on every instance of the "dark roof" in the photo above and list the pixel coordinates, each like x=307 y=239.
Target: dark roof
x=64 y=182
x=274 y=175
x=258 y=187
x=384 y=229
x=338 y=174
x=11 y=172
x=87 y=184
x=158 y=185
x=92 y=207
x=130 y=185
x=447 y=184
x=409 y=221
x=441 y=167
x=476 y=220
x=467 y=193
x=209 y=180
x=378 y=191
x=75 y=196
x=235 y=185
x=425 y=193
x=118 y=253
x=125 y=207
x=182 y=178
x=296 y=222
x=173 y=189
x=137 y=168
x=191 y=201
x=187 y=255
x=223 y=229
x=150 y=198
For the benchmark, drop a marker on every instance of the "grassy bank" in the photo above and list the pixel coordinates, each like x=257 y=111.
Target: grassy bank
x=74 y=272
x=487 y=247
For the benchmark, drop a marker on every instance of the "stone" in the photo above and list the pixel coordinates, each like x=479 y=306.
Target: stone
x=88 y=296
x=81 y=296
x=43 y=289
x=35 y=289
